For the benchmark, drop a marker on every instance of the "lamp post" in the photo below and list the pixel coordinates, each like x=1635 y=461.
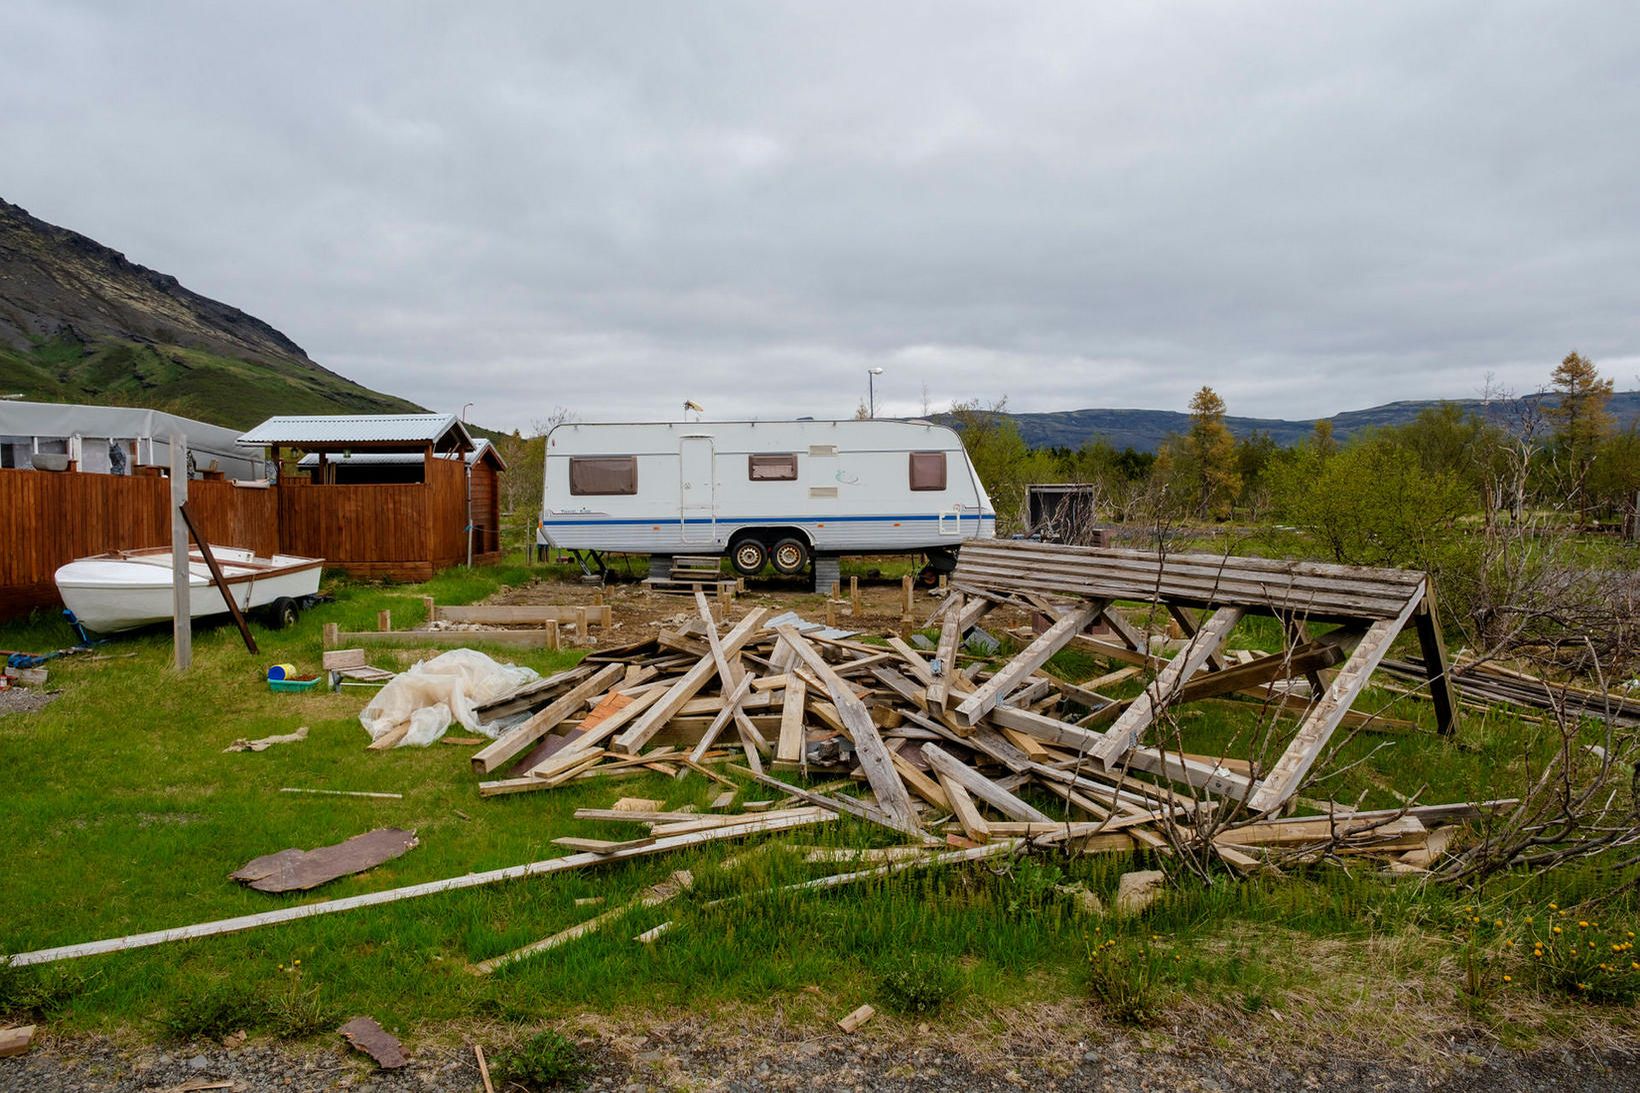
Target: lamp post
x=871 y=391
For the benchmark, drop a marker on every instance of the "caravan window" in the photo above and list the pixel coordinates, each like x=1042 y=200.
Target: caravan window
x=928 y=470
x=603 y=474
x=772 y=468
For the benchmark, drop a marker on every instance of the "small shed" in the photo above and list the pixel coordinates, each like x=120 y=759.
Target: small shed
x=406 y=528
x=484 y=469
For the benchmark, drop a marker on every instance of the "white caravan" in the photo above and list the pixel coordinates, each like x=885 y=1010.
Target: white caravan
x=781 y=492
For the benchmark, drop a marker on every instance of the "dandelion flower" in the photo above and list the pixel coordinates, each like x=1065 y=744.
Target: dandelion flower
x=1582 y=925
x=1508 y=979
x=1554 y=906
x=1557 y=929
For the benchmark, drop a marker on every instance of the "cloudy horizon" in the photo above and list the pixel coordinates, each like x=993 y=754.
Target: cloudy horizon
x=617 y=208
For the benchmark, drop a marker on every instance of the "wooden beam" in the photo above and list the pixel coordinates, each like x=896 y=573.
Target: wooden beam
x=1433 y=645
x=945 y=655
x=982 y=787
x=522 y=736
x=868 y=745
x=1026 y=661
x=1289 y=771
x=789 y=750
x=1126 y=730
x=686 y=686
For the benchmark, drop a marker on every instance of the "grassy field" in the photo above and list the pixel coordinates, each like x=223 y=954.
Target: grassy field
x=123 y=814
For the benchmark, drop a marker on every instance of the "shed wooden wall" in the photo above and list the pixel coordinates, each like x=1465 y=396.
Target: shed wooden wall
x=486 y=512
x=47 y=520
x=396 y=532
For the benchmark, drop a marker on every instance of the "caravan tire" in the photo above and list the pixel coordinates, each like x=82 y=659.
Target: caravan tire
x=748 y=556
x=790 y=556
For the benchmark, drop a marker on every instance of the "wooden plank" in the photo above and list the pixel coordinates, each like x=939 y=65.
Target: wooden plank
x=873 y=755
x=921 y=784
x=1025 y=662
x=526 y=639
x=686 y=686
x=725 y=715
x=1284 y=778
x=522 y=736
x=15 y=1041
x=945 y=657
x=947 y=766
x=492 y=614
x=1433 y=646
x=790 y=748
x=962 y=806
x=1125 y=732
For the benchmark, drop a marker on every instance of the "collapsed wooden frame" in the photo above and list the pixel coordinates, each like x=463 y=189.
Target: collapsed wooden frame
x=1077 y=585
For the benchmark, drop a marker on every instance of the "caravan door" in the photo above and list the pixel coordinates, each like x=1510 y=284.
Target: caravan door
x=698 y=489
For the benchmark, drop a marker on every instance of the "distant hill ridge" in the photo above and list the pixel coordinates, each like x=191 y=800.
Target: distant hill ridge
x=1145 y=430
x=80 y=322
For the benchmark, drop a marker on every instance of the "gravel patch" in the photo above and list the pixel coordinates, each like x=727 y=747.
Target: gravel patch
x=699 y=1054
x=25 y=700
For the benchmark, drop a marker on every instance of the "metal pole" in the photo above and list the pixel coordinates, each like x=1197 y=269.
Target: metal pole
x=182 y=631
x=871 y=394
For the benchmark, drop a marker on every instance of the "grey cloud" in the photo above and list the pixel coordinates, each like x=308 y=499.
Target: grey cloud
x=616 y=207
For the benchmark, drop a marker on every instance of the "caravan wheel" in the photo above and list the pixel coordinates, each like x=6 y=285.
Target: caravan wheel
x=748 y=557
x=791 y=556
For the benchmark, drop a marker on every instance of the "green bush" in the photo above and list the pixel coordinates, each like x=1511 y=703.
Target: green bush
x=1125 y=978
x=218 y=1010
x=916 y=984
x=547 y=1060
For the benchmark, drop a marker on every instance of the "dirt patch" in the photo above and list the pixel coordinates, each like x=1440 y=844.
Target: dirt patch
x=637 y=610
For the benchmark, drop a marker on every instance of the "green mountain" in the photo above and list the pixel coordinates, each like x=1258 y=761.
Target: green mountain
x=79 y=322
x=1145 y=430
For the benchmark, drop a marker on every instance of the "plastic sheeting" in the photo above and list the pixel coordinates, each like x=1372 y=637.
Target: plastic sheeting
x=436 y=693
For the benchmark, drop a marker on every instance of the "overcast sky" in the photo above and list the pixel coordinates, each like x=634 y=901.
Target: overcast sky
x=615 y=207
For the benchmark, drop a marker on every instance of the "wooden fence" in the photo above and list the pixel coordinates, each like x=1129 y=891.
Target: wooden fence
x=386 y=532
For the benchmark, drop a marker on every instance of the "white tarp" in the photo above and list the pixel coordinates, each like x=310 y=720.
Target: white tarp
x=434 y=693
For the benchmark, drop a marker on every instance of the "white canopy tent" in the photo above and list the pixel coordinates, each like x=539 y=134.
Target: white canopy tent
x=116 y=439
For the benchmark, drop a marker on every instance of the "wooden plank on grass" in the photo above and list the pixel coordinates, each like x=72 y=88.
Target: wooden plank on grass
x=869 y=748
x=962 y=807
x=1125 y=732
x=1025 y=662
x=417 y=639
x=567 y=863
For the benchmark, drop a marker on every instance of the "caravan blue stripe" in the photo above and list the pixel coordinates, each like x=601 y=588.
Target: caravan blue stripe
x=608 y=521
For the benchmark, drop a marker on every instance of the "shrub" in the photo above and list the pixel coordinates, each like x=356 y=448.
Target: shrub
x=37 y=992
x=547 y=1060
x=220 y=1009
x=1578 y=956
x=1126 y=980
x=917 y=984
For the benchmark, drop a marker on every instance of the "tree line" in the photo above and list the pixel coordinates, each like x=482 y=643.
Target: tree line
x=1369 y=500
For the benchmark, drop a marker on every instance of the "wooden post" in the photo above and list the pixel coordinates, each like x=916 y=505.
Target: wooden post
x=907 y=586
x=431 y=606
x=831 y=612
x=552 y=635
x=182 y=629
x=332 y=635
x=384 y=620
x=854 y=597
x=725 y=598
x=598 y=596
x=583 y=634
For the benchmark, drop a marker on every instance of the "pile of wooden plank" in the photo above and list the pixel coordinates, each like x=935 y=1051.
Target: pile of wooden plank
x=960 y=752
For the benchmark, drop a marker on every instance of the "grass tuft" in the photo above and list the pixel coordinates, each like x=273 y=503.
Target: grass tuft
x=918 y=984
x=547 y=1060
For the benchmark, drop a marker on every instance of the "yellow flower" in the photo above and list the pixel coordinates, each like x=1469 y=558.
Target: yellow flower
x=1582 y=925
x=1508 y=979
x=1557 y=929
x=298 y=963
x=1528 y=920
x=1554 y=906
x=1497 y=922
x=1508 y=944
x=1475 y=919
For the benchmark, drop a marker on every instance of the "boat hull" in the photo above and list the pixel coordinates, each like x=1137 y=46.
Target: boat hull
x=131 y=589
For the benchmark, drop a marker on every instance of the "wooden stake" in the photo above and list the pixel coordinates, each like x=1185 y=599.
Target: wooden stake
x=551 y=627
x=384 y=620
x=182 y=624
x=854 y=597
x=483 y=1069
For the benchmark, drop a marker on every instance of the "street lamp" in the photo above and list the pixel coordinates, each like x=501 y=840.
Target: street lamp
x=871 y=391
x=464 y=410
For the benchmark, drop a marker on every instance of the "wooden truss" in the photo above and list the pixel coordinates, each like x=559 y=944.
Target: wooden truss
x=1076 y=586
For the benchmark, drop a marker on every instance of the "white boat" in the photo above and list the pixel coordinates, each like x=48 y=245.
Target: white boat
x=125 y=589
